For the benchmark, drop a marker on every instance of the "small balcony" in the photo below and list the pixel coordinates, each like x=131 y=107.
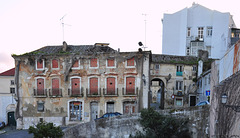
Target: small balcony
x=75 y=92
x=40 y=92
x=130 y=92
x=55 y=92
x=110 y=93
x=93 y=92
x=179 y=73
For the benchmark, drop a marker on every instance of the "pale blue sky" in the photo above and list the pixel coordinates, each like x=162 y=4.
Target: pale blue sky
x=27 y=25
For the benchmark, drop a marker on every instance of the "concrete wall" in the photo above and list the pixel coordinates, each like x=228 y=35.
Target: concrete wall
x=122 y=126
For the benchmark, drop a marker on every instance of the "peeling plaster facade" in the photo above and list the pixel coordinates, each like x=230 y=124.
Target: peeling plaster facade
x=171 y=80
x=72 y=84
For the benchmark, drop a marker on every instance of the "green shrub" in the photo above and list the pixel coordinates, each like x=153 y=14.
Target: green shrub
x=47 y=130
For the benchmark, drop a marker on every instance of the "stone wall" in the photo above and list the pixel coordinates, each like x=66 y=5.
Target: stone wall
x=119 y=126
x=123 y=126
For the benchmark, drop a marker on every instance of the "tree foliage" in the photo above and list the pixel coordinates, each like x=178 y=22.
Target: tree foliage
x=48 y=130
x=161 y=126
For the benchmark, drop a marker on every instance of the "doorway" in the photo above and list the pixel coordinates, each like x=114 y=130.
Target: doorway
x=11 y=119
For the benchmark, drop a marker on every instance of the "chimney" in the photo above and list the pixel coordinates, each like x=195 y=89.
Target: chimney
x=64 y=46
x=101 y=44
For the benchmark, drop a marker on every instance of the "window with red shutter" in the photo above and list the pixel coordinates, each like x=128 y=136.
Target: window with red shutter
x=130 y=62
x=55 y=63
x=94 y=62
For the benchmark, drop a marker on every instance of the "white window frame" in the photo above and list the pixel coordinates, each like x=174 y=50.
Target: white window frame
x=93 y=67
x=36 y=61
x=200 y=32
x=130 y=66
x=125 y=81
x=58 y=64
x=114 y=63
x=115 y=83
x=78 y=64
x=75 y=100
x=89 y=83
x=75 y=77
x=179 y=68
x=177 y=85
x=176 y=101
x=157 y=66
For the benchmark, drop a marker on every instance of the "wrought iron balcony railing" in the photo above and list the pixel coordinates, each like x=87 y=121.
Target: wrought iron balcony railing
x=75 y=92
x=55 y=92
x=130 y=92
x=109 y=92
x=40 y=92
x=93 y=92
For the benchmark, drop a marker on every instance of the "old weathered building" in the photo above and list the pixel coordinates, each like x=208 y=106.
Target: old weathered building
x=173 y=81
x=7 y=94
x=68 y=83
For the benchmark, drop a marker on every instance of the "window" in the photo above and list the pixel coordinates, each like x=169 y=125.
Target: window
x=76 y=64
x=209 y=31
x=93 y=85
x=75 y=86
x=12 y=82
x=194 y=68
x=179 y=70
x=209 y=79
x=157 y=66
x=55 y=87
x=55 y=64
x=200 y=32
x=94 y=62
x=40 y=64
x=179 y=85
x=40 y=106
x=110 y=62
x=179 y=102
x=12 y=90
x=130 y=85
x=188 y=32
x=111 y=85
x=40 y=87
x=130 y=62
x=76 y=110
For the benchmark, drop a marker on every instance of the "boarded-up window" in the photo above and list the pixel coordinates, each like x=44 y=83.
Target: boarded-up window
x=130 y=85
x=75 y=86
x=93 y=85
x=40 y=86
x=110 y=62
x=55 y=86
x=111 y=85
x=76 y=64
x=93 y=62
x=129 y=107
x=40 y=64
x=130 y=62
x=54 y=63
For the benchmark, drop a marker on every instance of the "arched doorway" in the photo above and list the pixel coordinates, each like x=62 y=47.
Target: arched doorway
x=157 y=88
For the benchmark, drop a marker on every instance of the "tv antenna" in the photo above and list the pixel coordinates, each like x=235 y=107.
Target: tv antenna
x=62 y=22
x=145 y=20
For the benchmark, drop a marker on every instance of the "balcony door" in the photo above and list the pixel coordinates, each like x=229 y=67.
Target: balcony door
x=111 y=85
x=75 y=86
x=55 y=86
x=40 y=86
x=130 y=85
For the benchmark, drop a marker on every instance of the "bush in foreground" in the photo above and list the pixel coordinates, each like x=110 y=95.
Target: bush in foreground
x=48 y=130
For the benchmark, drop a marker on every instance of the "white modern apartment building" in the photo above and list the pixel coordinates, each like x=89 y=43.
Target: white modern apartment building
x=197 y=28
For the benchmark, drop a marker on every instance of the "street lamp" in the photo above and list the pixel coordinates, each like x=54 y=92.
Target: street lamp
x=224 y=102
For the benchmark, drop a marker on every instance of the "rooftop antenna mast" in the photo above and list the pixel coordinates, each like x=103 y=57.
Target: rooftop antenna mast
x=62 y=22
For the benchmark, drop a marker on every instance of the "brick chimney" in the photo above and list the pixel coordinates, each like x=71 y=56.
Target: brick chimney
x=64 y=46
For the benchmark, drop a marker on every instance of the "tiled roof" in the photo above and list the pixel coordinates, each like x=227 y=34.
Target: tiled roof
x=71 y=49
x=10 y=72
x=158 y=58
